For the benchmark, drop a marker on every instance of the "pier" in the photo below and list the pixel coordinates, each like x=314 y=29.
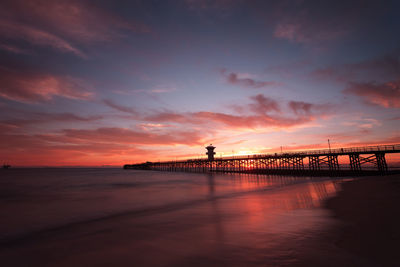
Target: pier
x=342 y=161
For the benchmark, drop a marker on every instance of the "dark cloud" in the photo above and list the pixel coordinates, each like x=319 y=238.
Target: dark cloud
x=263 y=105
x=211 y=4
x=300 y=107
x=233 y=78
x=388 y=65
x=383 y=67
x=121 y=108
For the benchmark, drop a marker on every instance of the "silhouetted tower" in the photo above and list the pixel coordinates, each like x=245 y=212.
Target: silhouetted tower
x=210 y=152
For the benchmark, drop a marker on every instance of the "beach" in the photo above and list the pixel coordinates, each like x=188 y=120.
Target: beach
x=368 y=209
x=104 y=217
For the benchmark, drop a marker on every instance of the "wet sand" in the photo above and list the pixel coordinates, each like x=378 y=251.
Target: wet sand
x=369 y=212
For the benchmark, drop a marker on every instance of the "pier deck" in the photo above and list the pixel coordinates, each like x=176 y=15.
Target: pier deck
x=342 y=161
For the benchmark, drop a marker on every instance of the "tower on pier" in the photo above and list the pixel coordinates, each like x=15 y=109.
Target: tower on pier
x=210 y=152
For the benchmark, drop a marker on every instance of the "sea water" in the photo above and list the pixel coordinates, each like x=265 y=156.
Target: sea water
x=116 y=217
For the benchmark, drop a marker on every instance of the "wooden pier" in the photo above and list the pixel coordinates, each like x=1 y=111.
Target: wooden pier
x=359 y=160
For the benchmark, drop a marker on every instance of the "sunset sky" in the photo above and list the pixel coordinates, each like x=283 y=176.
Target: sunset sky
x=90 y=83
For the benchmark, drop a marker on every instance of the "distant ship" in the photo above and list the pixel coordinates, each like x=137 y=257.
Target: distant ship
x=6 y=166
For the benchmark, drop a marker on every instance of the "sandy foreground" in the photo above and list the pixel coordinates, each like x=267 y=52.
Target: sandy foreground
x=369 y=209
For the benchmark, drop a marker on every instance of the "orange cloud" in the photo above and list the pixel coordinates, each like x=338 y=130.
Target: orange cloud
x=89 y=146
x=252 y=122
x=21 y=148
x=127 y=136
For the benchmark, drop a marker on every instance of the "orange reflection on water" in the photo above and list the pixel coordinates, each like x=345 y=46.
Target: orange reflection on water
x=263 y=207
x=190 y=219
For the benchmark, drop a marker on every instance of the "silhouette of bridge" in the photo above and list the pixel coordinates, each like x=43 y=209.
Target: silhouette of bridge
x=359 y=160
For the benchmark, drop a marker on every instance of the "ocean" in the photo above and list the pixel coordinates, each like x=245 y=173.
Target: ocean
x=116 y=217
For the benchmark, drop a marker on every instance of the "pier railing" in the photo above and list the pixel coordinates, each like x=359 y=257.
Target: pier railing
x=338 y=151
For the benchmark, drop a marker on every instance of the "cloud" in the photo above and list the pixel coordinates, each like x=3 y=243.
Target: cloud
x=302 y=27
x=363 y=123
x=381 y=94
x=316 y=22
x=62 y=24
x=253 y=121
x=388 y=65
x=151 y=126
x=12 y=49
x=375 y=80
x=114 y=144
x=127 y=136
x=160 y=90
x=261 y=112
x=29 y=87
x=82 y=21
x=394 y=139
x=232 y=121
x=384 y=67
x=121 y=108
x=55 y=149
x=263 y=104
x=34 y=118
x=96 y=146
x=169 y=116
x=37 y=37
x=300 y=107
x=235 y=79
x=302 y=30
x=210 y=4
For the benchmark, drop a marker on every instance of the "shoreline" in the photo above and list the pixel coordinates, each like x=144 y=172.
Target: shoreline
x=368 y=211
